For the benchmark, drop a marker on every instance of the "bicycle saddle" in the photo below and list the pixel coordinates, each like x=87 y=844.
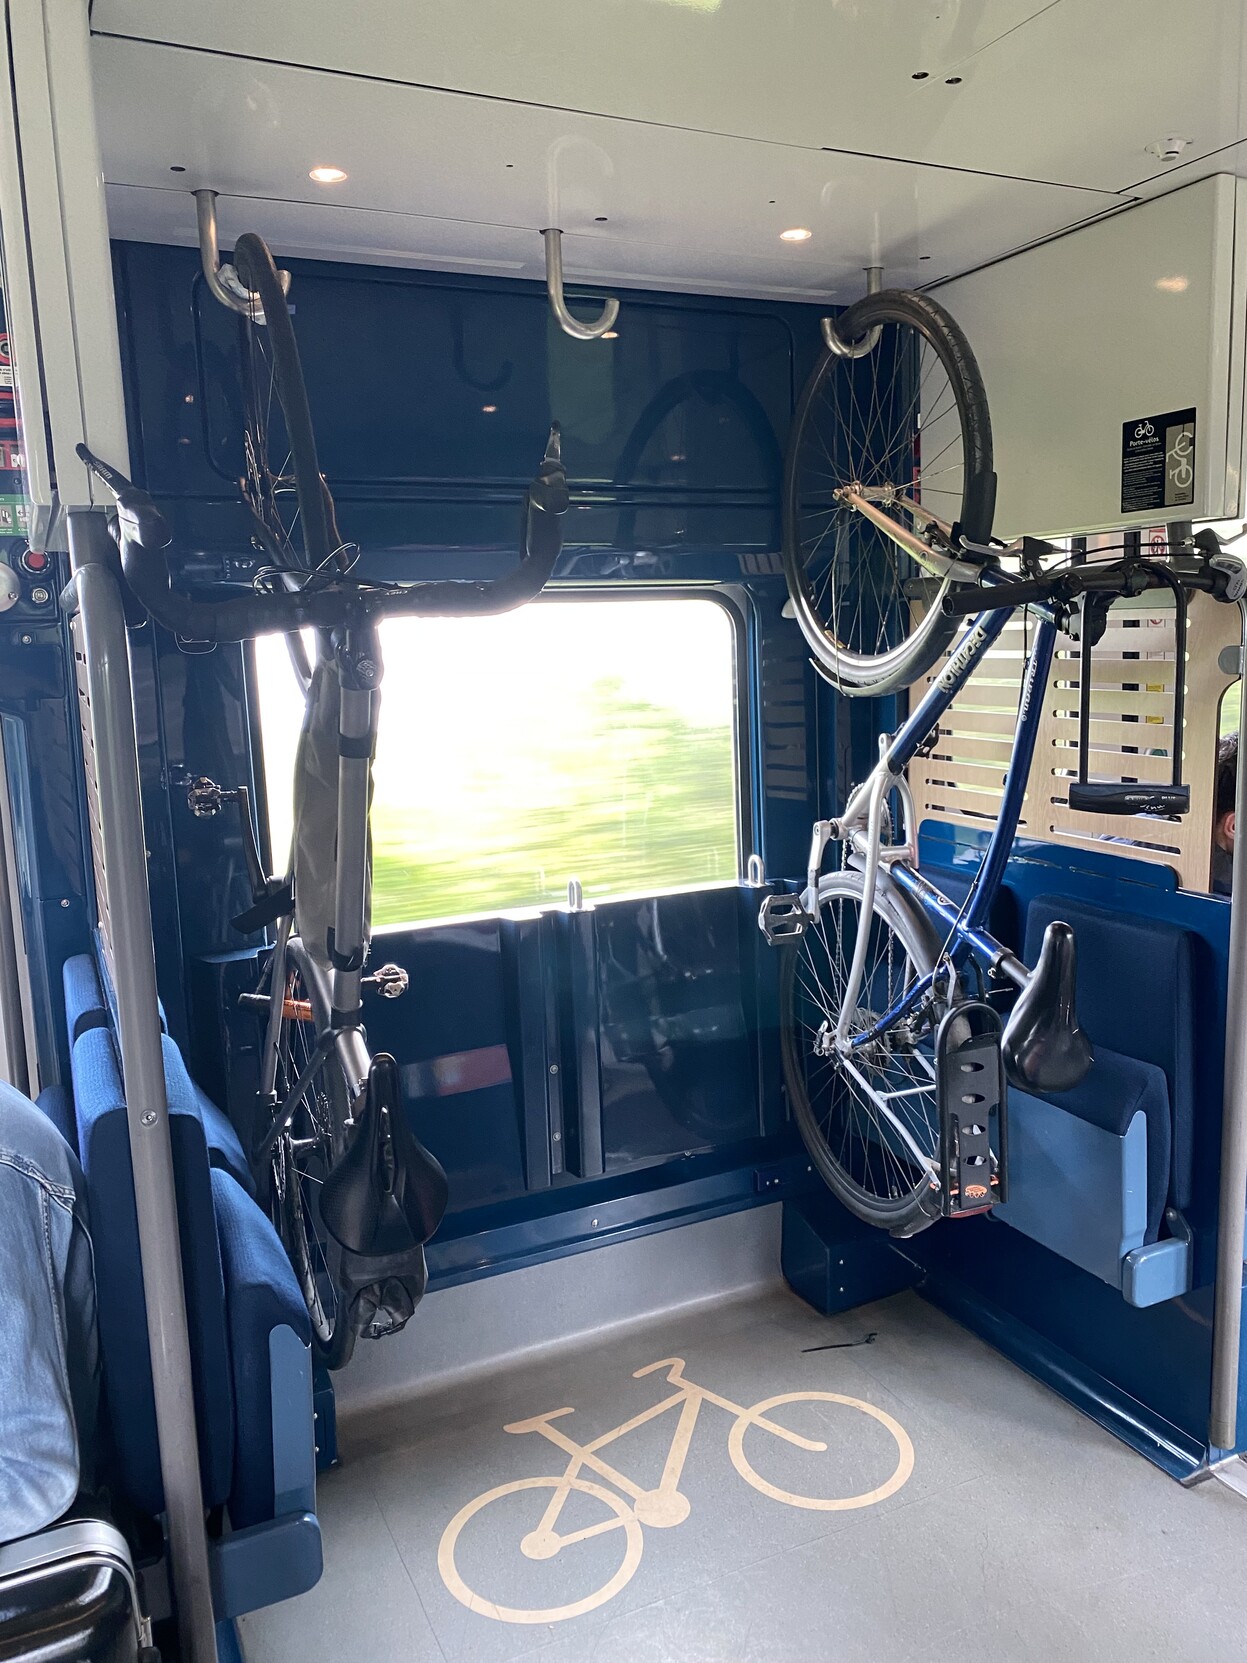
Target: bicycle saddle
x=1043 y=1047
x=374 y=1206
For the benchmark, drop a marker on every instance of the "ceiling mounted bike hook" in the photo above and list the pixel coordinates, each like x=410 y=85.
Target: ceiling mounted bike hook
x=223 y=280
x=870 y=340
x=553 y=239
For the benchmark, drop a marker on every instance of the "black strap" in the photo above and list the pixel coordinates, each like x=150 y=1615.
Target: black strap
x=275 y=903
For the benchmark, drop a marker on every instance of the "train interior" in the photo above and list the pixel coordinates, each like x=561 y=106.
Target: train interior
x=478 y=1285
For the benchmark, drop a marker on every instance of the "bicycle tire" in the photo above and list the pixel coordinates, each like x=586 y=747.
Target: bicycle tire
x=256 y=269
x=308 y=1145
x=831 y=1129
x=819 y=463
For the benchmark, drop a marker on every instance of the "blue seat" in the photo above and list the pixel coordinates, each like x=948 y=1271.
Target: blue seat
x=223 y=1144
x=104 y=1143
x=262 y=1298
x=1136 y=993
x=85 y=1005
x=249 y=1339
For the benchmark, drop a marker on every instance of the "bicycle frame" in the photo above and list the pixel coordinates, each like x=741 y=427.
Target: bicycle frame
x=357 y=727
x=962 y=928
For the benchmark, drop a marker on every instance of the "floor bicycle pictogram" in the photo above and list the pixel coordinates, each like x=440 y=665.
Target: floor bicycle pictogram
x=662 y=1507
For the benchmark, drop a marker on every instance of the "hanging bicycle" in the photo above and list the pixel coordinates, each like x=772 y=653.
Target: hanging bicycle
x=896 y=1060
x=354 y=1194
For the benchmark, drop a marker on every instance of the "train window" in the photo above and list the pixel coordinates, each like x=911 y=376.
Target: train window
x=591 y=739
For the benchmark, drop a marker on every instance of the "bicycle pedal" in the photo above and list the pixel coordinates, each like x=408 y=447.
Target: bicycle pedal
x=972 y=1100
x=782 y=919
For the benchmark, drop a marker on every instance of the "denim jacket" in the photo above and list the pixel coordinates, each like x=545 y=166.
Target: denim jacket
x=49 y=1358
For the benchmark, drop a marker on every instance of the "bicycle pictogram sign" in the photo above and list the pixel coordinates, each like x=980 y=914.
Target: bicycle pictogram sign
x=662 y=1507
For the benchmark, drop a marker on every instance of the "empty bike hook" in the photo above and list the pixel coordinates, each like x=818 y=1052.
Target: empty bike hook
x=870 y=340
x=553 y=239
x=223 y=280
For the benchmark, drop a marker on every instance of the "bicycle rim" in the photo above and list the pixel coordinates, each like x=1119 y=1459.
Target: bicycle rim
x=907 y=428
x=871 y=1124
x=302 y=1158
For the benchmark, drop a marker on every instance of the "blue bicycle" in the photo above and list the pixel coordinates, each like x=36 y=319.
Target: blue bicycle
x=895 y=1056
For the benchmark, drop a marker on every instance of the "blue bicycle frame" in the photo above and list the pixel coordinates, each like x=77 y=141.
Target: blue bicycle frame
x=962 y=928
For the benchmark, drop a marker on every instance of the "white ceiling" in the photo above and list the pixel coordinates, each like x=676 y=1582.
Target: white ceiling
x=671 y=139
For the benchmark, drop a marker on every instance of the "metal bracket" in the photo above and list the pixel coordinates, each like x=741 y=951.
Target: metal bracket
x=553 y=239
x=870 y=340
x=755 y=872
x=223 y=280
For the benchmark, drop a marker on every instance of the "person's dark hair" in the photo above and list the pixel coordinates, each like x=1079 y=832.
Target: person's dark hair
x=1227 y=776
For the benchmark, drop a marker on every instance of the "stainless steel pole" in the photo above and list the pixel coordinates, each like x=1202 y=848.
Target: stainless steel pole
x=134 y=972
x=1227 y=1318
x=12 y=1016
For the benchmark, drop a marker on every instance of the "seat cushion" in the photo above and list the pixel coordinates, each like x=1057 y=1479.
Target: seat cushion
x=224 y=1146
x=103 y=1137
x=1136 y=997
x=85 y=1005
x=261 y=1295
x=1114 y=1091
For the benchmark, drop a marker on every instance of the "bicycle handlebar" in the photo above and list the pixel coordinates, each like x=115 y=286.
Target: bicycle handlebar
x=1058 y=588
x=145 y=535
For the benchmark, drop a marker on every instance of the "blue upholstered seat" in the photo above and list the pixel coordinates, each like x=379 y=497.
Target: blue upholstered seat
x=249 y=1335
x=104 y=1144
x=85 y=1005
x=1136 y=997
x=261 y=1298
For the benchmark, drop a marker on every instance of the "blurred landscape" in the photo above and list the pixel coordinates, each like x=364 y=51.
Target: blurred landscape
x=585 y=739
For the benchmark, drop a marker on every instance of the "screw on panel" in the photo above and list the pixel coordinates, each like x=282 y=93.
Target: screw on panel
x=148 y=1117
x=556 y=1137
x=554 y=1068
x=65 y=904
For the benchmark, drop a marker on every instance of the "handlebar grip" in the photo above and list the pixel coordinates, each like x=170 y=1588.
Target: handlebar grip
x=1108 y=797
x=961 y=603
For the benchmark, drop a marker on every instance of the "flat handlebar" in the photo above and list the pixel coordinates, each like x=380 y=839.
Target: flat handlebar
x=998 y=593
x=144 y=535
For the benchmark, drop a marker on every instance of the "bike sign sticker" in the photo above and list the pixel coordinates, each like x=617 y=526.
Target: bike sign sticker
x=1158 y=462
x=560 y=1512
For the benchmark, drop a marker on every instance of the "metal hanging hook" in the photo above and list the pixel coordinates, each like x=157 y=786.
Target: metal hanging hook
x=870 y=340
x=223 y=280
x=553 y=239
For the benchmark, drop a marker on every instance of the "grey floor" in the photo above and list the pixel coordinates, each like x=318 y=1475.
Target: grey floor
x=1022 y=1532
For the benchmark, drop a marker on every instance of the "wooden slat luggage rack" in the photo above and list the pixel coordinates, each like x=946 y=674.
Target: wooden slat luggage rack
x=1133 y=677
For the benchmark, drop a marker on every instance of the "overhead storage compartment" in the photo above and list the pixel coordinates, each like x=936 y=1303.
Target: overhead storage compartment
x=1113 y=359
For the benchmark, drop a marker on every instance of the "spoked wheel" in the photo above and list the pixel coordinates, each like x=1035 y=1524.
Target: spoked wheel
x=304 y=1154
x=870 y=1120
x=888 y=453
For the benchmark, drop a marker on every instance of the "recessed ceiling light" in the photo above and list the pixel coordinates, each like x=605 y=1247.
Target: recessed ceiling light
x=488 y=409
x=798 y=234
x=610 y=335
x=328 y=175
x=1173 y=285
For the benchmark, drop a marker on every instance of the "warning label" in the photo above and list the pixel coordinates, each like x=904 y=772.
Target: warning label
x=1158 y=462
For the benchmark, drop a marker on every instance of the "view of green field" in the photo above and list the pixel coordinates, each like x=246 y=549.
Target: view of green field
x=585 y=739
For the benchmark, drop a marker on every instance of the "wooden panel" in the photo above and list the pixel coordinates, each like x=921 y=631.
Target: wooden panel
x=1133 y=674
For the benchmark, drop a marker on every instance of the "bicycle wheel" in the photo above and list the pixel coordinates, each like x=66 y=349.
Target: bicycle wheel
x=906 y=429
x=291 y=506
x=800 y=1418
x=305 y=1153
x=870 y=1120
x=536 y=1546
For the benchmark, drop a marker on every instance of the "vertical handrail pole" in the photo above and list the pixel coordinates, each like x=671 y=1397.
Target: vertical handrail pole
x=124 y=863
x=12 y=1012
x=1227 y=1319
